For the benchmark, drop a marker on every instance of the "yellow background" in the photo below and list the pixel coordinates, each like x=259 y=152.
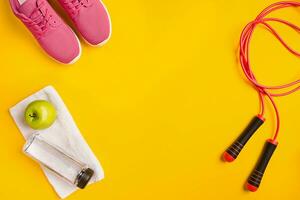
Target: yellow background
x=159 y=103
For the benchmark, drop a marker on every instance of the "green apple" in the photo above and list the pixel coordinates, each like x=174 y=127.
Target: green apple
x=40 y=114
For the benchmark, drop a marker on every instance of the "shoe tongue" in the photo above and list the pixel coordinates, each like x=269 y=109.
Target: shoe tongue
x=28 y=7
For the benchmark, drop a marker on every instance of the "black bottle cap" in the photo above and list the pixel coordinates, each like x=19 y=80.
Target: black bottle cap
x=84 y=177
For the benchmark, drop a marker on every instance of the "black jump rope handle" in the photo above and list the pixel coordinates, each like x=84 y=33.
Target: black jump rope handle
x=234 y=150
x=257 y=174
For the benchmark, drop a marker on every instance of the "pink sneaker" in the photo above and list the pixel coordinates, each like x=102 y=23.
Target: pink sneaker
x=91 y=19
x=54 y=36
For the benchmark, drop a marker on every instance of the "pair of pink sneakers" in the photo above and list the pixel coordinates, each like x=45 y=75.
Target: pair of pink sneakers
x=90 y=17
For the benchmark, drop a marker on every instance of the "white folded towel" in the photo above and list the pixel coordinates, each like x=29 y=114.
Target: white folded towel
x=63 y=133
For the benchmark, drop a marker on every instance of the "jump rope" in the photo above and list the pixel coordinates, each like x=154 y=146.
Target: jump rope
x=265 y=92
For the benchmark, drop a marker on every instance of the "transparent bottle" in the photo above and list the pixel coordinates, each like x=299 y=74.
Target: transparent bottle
x=55 y=159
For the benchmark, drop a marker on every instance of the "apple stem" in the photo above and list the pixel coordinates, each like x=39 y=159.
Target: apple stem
x=32 y=115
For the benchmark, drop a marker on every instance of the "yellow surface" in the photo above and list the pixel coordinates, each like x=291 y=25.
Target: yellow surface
x=159 y=103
